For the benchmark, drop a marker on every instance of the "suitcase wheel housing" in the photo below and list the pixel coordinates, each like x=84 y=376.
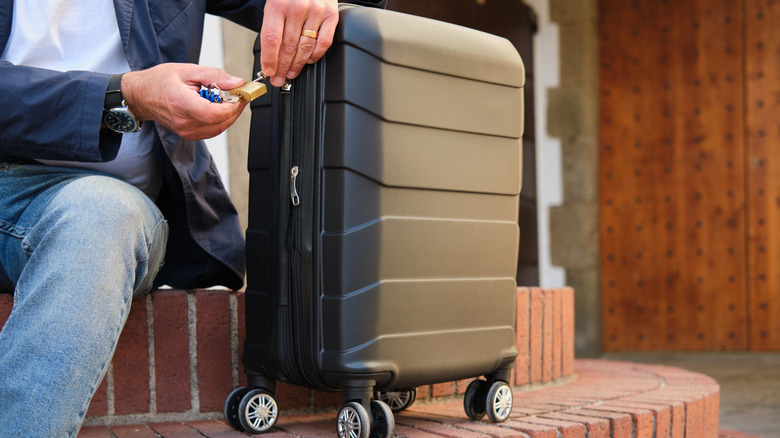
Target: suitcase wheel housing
x=397 y=400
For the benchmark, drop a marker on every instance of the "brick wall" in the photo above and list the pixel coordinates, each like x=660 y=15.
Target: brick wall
x=178 y=356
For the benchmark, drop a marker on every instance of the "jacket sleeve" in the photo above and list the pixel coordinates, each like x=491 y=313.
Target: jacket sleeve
x=245 y=13
x=54 y=115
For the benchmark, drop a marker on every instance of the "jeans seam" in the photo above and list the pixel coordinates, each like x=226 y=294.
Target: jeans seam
x=151 y=270
x=12 y=229
x=27 y=247
x=161 y=222
x=150 y=240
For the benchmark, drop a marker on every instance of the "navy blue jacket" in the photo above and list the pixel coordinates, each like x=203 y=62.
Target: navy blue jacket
x=54 y=115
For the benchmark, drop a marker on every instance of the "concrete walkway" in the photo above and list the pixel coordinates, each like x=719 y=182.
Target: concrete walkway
x=749 y=385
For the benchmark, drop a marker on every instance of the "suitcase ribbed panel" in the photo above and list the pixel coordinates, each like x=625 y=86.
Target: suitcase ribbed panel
x=408 y=95
x=382 y=275
x=352 y=201
x=436 y=46
x=400 y=155
x=393 y=248
x=406 y=330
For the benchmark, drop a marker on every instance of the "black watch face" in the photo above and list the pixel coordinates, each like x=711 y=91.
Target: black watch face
x=119 y=120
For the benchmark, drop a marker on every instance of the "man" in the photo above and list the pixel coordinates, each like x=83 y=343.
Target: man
x=88 y=198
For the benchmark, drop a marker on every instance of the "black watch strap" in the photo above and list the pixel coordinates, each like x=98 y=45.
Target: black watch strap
x=114 y=92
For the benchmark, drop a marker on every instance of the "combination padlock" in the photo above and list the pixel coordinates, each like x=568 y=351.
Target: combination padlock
x=248 y=92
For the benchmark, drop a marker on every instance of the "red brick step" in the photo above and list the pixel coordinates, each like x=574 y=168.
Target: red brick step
x=178 y=358
x=603 y=399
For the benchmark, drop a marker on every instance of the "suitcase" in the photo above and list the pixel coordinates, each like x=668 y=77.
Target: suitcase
x=382 y=242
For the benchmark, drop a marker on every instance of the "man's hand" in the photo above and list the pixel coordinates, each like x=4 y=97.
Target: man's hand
x=168 y=94
x=284 y=49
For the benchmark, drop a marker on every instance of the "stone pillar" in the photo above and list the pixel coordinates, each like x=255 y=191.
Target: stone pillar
x=573 y=118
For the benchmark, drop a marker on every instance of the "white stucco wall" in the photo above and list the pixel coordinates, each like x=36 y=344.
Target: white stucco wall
x=548 y=150
x=212 y=55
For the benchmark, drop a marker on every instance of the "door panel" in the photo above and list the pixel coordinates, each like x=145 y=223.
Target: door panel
x=672 y=216
x=762 y=103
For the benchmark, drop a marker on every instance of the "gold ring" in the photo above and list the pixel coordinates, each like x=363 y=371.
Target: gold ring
x=310 y=33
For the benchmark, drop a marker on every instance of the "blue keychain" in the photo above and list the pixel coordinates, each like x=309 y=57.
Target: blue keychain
x=212 y=93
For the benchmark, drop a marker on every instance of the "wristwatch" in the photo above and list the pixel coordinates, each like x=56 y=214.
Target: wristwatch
x=116 y=115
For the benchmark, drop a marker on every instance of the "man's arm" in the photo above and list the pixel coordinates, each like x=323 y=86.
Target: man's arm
x=53 y=115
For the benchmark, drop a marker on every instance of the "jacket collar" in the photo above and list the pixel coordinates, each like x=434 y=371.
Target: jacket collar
x=6 y=13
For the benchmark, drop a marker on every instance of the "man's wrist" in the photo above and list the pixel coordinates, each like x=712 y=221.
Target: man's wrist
x=116 y=115
x=113 y=92
x=129 y=87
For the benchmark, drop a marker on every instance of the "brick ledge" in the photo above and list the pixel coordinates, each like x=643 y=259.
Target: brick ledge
x=604 y=399
x=178 y=356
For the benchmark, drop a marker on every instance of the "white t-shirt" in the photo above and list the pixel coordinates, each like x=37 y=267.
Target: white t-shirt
x=66 y=35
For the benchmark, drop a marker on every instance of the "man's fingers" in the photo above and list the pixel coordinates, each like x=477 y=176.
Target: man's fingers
x=327 y=29
x=201 y=111
x=212 y=75
x=306 y=46
x=285 y=50
x=292 y=36
x=271 y=36
x=208 y=119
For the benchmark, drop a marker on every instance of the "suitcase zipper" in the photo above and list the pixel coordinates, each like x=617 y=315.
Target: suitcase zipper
x=287 y=339
x=293 y=344
x=296 y=200
x=306 y=101
x=298 y=345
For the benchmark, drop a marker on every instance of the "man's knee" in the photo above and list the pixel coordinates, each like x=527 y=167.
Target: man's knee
x=107 y=205
x=109 y=219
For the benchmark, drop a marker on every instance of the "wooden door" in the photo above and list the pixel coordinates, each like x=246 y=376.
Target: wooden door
x=690 y=183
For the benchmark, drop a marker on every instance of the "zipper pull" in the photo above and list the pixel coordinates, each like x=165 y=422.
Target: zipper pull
x=287 y=87
x=296 y=200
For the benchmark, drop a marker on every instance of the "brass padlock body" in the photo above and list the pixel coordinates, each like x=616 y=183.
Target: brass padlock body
x=249 y=91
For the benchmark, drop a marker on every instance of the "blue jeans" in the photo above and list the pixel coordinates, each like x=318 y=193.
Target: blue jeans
x=75 y=247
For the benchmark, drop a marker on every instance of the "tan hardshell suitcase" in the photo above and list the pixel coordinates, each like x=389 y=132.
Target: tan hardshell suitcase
x=383 y=239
